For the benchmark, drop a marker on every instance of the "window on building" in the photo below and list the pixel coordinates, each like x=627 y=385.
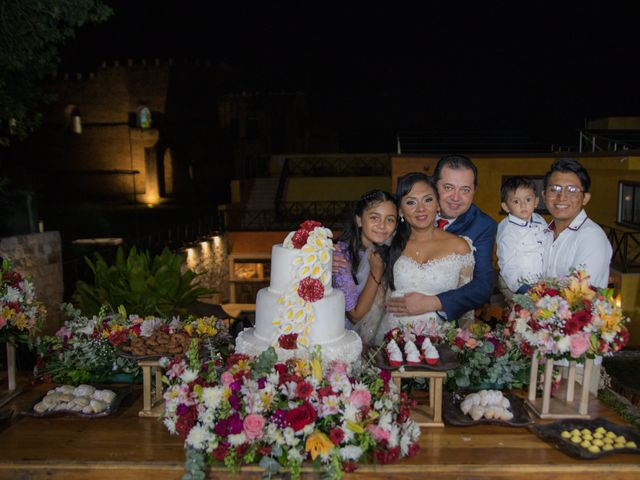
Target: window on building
x=629 y=204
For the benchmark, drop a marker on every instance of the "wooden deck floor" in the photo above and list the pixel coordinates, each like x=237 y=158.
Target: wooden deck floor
x=124 y=446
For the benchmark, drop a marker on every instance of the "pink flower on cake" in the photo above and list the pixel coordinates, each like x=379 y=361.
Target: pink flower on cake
x=311 y=289
x=253 y=425
x=360 y=398
x=580 y=343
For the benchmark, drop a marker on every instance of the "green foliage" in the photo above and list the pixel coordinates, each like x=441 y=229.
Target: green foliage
x=31 y=34
x=141 y=283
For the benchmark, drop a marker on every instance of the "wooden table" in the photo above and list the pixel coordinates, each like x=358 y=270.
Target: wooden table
x=125 y=446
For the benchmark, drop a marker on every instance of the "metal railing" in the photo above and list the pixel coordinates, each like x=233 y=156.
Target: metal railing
x=626 y=248
x=339 y=165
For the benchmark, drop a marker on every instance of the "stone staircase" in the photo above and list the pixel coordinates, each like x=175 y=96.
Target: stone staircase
x=260 y=204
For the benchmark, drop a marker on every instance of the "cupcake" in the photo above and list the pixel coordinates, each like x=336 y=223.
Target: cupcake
x=394 y=354
x=432 y=356
x=412 y=353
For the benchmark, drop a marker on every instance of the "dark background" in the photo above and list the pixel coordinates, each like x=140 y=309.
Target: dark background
x=533 y=68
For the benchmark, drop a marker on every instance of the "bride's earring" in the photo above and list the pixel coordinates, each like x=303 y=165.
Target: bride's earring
x=401 y=218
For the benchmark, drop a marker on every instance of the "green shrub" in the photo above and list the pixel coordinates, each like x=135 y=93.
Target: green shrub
x=143 y=284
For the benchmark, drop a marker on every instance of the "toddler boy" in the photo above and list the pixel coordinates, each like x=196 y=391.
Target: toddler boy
x=521 y=238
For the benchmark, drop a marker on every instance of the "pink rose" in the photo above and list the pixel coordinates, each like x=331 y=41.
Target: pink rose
x=360 y=398
x=252 y=426
x=580 y=343
x=226 y=378
x=471 y=343
x=338 y=367
x=379 y=434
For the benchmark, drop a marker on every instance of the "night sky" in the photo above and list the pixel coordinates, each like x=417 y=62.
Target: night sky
x=533 y=68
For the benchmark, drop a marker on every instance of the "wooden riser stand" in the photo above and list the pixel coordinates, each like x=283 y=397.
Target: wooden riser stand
x=152 y=401
x=430 y=414
x=563 y=404
x=12 y=390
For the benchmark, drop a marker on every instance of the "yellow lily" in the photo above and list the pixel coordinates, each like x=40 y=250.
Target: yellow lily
x=318 y=444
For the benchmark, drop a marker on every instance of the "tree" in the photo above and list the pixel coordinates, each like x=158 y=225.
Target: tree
x=31 y=34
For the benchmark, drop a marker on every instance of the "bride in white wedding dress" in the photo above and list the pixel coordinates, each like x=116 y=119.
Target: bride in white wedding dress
x=423 y=259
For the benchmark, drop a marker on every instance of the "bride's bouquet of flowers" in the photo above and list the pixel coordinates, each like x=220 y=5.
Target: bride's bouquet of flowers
x=259 y=410
x=567 y=318
x=21 y=315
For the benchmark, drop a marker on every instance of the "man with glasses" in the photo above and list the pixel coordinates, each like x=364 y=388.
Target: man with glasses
x=577 y=241
x=456 y=178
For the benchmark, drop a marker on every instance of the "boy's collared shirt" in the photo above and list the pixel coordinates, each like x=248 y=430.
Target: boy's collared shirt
x=521 y=245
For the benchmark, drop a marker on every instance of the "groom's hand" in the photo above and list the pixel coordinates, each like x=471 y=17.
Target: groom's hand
x=413 y=304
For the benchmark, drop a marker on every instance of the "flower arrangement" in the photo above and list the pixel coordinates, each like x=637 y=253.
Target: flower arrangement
x=90 y=349
x=282 y=414
x=567 y=318
x=80 y=351
x=489 y=358
x=21 y=315
x=312 y=276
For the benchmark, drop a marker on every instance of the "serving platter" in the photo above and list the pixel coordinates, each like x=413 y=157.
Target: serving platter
x=448 y=361
x=121 y=394
x=552 y=433
x=453 y=415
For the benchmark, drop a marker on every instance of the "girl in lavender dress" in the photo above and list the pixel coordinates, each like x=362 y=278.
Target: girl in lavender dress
x=358 y=264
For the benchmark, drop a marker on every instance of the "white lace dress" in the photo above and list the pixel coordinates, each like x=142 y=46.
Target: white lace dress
x=430 y=278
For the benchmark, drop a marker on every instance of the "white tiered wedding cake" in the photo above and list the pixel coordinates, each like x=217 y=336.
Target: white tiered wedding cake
x=300 y=309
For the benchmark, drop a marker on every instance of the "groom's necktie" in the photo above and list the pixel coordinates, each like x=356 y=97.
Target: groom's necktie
x=441 y=223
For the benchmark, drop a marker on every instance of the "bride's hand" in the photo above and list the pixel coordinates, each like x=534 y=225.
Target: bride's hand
x=413 y=304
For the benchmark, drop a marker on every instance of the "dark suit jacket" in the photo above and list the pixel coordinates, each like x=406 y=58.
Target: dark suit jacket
x=481 y=229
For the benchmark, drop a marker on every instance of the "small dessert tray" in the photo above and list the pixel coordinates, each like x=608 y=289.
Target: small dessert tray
x=552 y=433
x=448 y=361
x=453 y=415
x=136 y=358
x=121 y=394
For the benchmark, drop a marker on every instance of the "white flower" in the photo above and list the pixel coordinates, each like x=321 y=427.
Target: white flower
x=351 y=452
x=609 y=336
x=385 y=421
x=170 y=423
x=394 y=436
x=189 y=375
x=564 y=344
x=290 y=437
x=211 y=397
x=351 y=413
x=12 y=295
x=237 y=439
x=294 y=454
x=197 y=437
x=147 y=327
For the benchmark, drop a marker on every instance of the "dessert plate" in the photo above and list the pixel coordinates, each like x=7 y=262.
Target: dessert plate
x=121 y=393
x=448 y=361
x=453 y=415
x=552 y=433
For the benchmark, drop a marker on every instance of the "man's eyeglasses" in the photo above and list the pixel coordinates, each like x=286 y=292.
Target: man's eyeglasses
x=570 y=190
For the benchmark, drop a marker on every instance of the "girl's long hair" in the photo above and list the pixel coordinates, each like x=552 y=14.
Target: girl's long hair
x=352 y=233
x=403 y=230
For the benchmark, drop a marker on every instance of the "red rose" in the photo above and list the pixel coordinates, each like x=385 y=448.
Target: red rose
x=459 y=342
x=349 y=466
x=220 y=452
x=281 y=368
x=309 y=225
x=301 y=416
x=299 y=238
x=265 y=450
x=311 y=289
x=526 y=349
x=288 y=341
x=535 y=326
x=325 y=391
x=387 y=455
x=583 y=318
x=552 y=292
x=304 y=390
x=116 y=338
x=336 y=435
x=413 y=449
x=571 y=326
x=186 y=422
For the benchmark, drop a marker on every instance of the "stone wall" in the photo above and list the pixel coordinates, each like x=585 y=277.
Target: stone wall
x=39 y=256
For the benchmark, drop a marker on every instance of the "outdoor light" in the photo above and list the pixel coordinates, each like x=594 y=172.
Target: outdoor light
x=618 y=300
x=76 y=123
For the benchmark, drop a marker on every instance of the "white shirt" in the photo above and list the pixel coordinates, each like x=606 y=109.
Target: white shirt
x=521 y=245
x=583 y=244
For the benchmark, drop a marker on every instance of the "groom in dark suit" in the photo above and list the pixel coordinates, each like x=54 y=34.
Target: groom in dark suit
x=457 y=180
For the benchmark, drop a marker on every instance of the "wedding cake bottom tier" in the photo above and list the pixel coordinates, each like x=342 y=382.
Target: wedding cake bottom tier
x=347 y=348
